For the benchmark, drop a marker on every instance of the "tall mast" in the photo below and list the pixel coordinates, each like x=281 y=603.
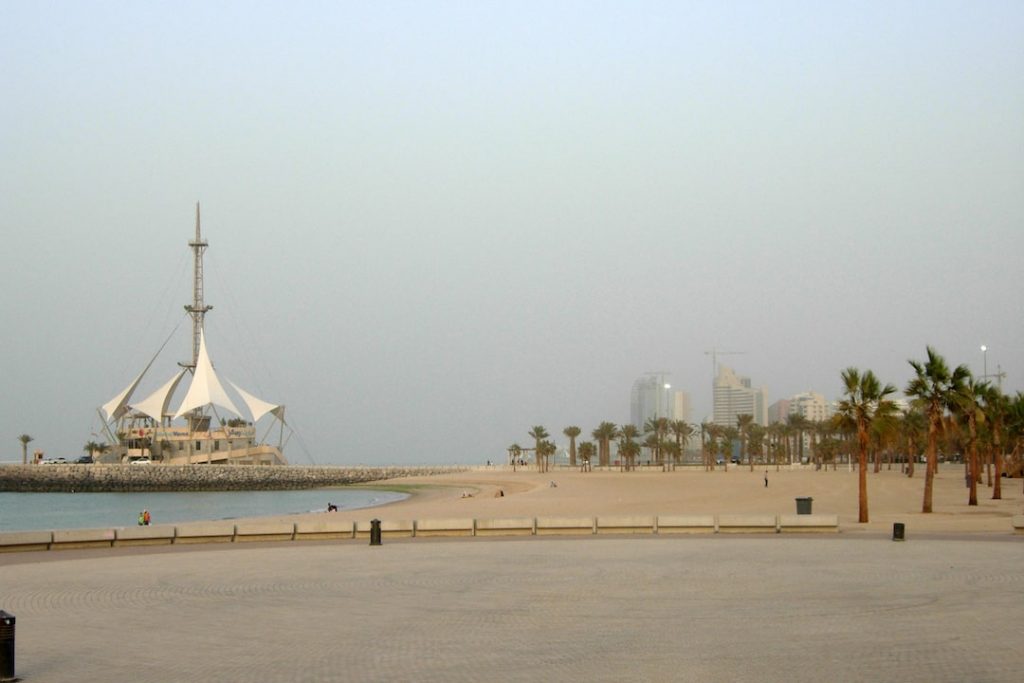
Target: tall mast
x=198 y=309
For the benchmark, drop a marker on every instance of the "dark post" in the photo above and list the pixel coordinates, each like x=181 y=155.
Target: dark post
x=897 y=531
x=374 y=532
x=6 y=646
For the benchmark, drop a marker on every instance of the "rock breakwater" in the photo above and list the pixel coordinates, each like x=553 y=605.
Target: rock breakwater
x=122 y=478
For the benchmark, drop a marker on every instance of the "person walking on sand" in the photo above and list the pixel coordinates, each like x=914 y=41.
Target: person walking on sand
x=766 y=478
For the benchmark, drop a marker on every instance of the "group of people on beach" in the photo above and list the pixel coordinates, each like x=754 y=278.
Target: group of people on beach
x=144 y=518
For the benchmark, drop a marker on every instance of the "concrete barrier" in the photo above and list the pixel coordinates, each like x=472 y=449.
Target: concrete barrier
x=1018 y=524
x=18 y=541
x=809 y=523
x=325 y=528
x=445 y=527
x=82 y=538
x=331 y=527
x=509 y=526
x=394 y=528
x=144 y=535
x=264 y=531
x=748 y=524
x=205 y=532
x=561 y=526
x=625 y=525
x=686 y=524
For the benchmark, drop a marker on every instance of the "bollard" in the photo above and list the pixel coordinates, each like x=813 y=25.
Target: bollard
x=6 y=646
x=897 y=531
x=374 y=532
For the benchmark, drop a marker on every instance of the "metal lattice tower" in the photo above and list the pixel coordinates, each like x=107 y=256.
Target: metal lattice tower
x=198 y=309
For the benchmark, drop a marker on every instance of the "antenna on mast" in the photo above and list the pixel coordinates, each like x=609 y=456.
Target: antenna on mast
x=198 y=308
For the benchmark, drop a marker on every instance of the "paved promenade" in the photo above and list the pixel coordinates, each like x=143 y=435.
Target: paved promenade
x=596 y=609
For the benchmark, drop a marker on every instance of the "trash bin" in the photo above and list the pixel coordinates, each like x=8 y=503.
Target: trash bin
x=803 y=506
x=7 y=622
x=374 y=532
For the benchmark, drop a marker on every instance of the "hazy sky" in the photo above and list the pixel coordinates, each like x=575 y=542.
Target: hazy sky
x=433 y=225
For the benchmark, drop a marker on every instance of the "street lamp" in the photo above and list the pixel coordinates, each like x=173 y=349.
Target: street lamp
x=984 y=356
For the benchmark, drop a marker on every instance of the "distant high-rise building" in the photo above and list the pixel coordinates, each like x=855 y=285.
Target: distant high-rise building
x=778 y=411
x=653 y=397
x=733 y=396
x=811 y=405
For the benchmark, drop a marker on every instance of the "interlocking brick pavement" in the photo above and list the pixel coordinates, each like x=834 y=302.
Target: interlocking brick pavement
x=613 y=609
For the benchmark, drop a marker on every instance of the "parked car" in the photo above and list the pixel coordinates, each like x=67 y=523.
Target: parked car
x=55 y=461
x=84 y=460
x=140 y=461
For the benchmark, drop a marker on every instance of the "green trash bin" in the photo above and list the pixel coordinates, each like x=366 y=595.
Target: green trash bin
x=803 y=506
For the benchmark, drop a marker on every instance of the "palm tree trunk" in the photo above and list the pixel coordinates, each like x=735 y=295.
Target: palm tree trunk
x=929 y=470
x=997 y=456
x=862 y=460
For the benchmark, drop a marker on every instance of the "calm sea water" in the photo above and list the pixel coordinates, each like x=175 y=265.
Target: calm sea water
x=34 y=511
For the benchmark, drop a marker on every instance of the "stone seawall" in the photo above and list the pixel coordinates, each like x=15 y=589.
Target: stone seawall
x=120 y=478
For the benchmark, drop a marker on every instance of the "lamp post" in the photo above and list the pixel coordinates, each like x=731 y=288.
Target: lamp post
x=984 y=357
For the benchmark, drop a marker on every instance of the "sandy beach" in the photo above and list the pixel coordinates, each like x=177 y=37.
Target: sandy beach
x=892 y=496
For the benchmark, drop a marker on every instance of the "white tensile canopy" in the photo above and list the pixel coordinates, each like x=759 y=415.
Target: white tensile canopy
x=155 y=405
x=118 y=406
x=258 y=407
x=206 y=388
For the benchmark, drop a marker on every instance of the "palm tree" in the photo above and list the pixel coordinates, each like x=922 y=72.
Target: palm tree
x=727 y=437
x=743 y=423
x=996 y=408
x=90 y=448
x=1015 y=429
x=933 y=388
x=970 y=409
x=628 y=449
x=865 y=402
x=605 y=432
x=572 y=432
x=755 y=442
x=586 y=453
x=706 y=447
x=545 y=449
x=682 y=431
x=538 y=434
x=515 y=451
x=912 y=429
x=24 y=439
x=798 y=424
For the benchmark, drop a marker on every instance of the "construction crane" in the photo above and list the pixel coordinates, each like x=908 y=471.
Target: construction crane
x=715 y=353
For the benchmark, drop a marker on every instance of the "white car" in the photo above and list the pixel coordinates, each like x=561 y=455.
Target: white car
x=140 y=461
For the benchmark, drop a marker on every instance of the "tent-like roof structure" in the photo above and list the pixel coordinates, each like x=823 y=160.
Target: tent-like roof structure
x=155 y=405
x=258 y=407
x=206 y=388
